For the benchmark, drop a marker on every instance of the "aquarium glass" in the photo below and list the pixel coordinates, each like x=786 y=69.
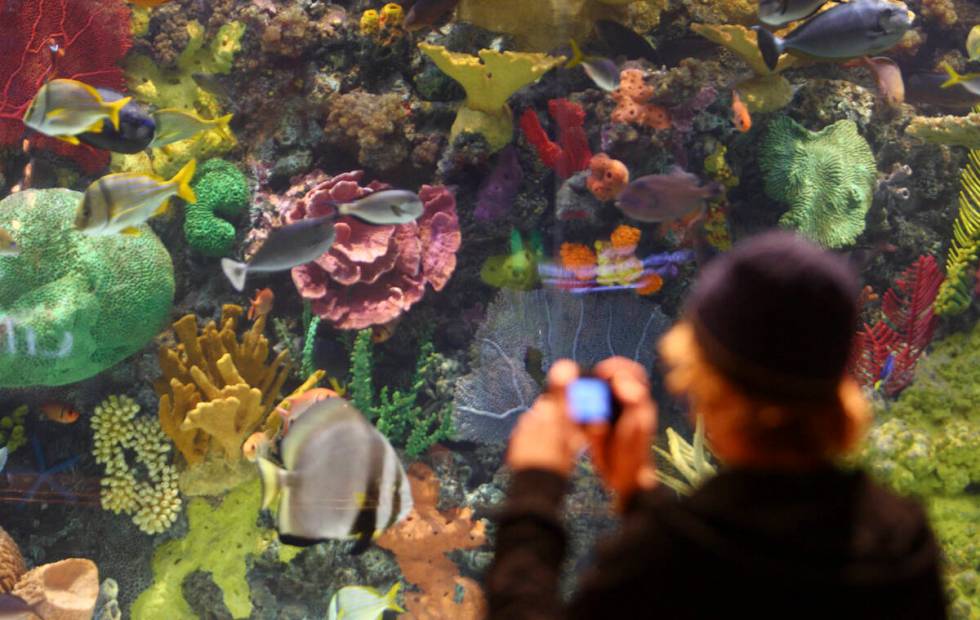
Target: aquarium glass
x=289 y=271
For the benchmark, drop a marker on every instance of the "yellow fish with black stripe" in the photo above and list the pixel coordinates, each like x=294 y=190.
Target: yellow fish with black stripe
x=118 y=203
x=65 y=108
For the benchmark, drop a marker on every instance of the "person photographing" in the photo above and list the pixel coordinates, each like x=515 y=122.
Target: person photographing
x=781 y=531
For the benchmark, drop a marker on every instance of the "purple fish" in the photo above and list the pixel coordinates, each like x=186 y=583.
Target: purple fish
x=499 y=189
x=427 y=12
x=666 y=197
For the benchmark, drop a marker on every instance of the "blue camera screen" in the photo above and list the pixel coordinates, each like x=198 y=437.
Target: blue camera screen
x=589 y=401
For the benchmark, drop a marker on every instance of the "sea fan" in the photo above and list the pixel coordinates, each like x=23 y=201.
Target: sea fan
x=956 y=294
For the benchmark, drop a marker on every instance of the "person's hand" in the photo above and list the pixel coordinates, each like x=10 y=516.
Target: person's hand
x=545 y=436
x=622 y=458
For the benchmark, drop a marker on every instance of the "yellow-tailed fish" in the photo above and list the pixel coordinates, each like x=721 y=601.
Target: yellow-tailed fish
x=973 y=43
x=363 y=603
x=8 y=247
x=603 y=72
x=65 y=108
x=174 y=125
x=118 y=203
x=970 y=81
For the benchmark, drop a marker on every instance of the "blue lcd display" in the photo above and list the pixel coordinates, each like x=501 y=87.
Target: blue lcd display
x=589 y=401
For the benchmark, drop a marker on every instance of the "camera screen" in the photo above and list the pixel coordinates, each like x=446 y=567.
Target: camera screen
x=589 y=400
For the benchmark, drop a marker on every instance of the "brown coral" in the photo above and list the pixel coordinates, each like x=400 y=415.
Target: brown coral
x=215 y=386
x=11 y=562
x=373 y=126
x=65 y=590
x=420 y=544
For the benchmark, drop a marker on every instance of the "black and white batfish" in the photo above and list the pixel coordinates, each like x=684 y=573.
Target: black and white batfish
x=286 y=247
x=780 y=12
x=340 y=479
x=64 y=108
x=388 y=206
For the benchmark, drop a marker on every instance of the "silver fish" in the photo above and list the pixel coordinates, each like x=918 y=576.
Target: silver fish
x=340 y=478
x=8 y=247
x=603 y=72
x=3 y=457
x=970 y=81
x=361 y=603
x=65 y=108
x=779 y=12
x=666 y=197
x=850 y=30
x=286 y=247
x=389 y=206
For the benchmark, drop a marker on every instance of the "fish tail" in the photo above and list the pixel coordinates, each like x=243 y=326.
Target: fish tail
x=221 y=124
x=269 y=474
x=391 y=598
x=113 y=108
x=577 y=56
x=236 y=272
x=954 y=77
x=183 y=181
x=770 y=46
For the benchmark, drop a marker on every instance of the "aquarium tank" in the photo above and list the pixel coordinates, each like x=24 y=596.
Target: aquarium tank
x=226 y=225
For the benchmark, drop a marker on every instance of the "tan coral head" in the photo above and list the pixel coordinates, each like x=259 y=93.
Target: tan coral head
x=65 y=590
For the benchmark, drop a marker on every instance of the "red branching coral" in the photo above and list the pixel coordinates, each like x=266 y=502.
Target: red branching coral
x=88 y=38
x=374 y=273
x=571 y=153
x=906 y=331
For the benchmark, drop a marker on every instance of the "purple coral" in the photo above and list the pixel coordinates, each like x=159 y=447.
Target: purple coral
x=499 y=189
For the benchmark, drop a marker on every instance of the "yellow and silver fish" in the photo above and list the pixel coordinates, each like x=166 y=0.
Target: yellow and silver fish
x=65 y=108
x=8 y=247
x=174 y=125
x=340 y=479
x=969 y=81
x=973 y=43
x=121 y=202
x=363 y=603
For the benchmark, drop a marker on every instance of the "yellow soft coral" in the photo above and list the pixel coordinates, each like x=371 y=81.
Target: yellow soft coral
x=489 y=80
x=742 y=41
x=955 y=294
x=539 y=25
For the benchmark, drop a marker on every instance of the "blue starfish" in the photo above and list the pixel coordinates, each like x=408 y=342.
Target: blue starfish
x=46 y=474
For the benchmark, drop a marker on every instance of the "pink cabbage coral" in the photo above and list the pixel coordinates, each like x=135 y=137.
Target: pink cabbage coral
x=374 y=273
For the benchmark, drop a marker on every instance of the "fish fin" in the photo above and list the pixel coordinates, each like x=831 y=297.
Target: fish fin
x=114 y=107
x=770 y=46
x=236 y=272
x=96 y=127
x=577 y=56
x=297 y=541
x=221 y=124
x=163 y=209
x=363 y=544
x=56 y=113
x=392 y=598
x=183 y=181
x=131 y=231
x=69 y=139
x=954 y=77
x=269 y=473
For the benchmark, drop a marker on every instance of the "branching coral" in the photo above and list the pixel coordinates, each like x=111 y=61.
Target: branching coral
x=373 y=125
x=586 y=328
x=154 y=500
x=827 y=178
x=420 y=544
x=216 y=389
x=956 y=292
x=570 y=153
x=953 y=130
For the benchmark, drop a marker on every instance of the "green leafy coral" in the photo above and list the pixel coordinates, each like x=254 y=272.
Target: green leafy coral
x=223 y=190
x=826 y=177
x=74 y=305
x=956 y=292
x=398 y=414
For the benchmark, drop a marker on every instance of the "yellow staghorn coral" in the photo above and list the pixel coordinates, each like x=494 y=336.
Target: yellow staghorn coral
x=489 y=80
x=952 y=130
x=765 y=93
x=742 y=41
x=217 y=386
x=955 y=293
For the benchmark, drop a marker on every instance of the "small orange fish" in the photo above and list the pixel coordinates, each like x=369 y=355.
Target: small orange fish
x=262 y=304
x=255 y=446
x=148 y=4
x=59 y=412
x=740 y=114
x=382 y=333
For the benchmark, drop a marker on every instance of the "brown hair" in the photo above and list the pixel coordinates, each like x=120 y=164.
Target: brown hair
x=800 y=427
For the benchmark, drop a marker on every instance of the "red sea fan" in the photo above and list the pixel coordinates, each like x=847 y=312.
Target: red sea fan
x=91 y=36
x=906 y=331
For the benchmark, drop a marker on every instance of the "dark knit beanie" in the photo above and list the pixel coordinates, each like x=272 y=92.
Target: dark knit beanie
x=777 y=316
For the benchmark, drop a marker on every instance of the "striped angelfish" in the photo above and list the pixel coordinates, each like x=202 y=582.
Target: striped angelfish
x=340 y=479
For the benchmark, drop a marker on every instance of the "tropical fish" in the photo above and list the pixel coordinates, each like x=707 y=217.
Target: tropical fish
x=59 y=412
x=8 y=247
x=262 y=304
x=741 y=117
x=362 y=603
x=4 y=453
x=888 y=76
x=65 y=108
x=886 y=372
x=298 y=405
x=135 y=132
x=384 y=332
x=148 y=4
x=973 y=43
x=927 y=88
x=427 y=13
x=626 y=42
x=13 y=607
x=779 y=12
x=255 y=446
x=603 y=72
x=970 y=81
x=341 y=479
x=121 y=202
x=174 y=125
x=286 y=247
x=850 y=30
x=666 y=197
x=389 y=206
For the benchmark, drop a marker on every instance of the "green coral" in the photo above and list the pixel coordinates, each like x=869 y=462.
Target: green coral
x=73 y=304
x=307 y=365
x=398 y=414
x=221 y=189
x=826 y=177
x=956 y=291
x=13 y=435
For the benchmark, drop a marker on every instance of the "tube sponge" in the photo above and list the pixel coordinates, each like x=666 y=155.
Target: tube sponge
x=221 y=189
